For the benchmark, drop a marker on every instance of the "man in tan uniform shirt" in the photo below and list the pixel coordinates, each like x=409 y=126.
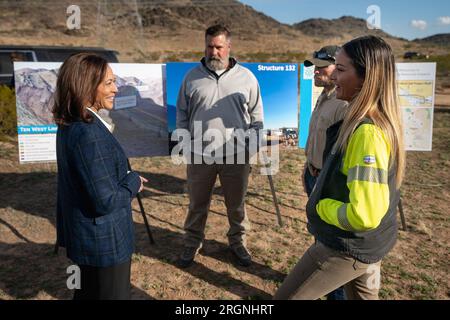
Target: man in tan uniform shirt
x=328 y=111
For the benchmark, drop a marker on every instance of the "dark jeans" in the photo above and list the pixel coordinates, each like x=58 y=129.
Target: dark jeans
x=310 y=181
x=110 y=283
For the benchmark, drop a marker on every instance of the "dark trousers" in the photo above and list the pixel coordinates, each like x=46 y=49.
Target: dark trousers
x=310 y=182
x=110 y=283
x=234 y=181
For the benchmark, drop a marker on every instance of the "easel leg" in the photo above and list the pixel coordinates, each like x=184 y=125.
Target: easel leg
x=402 y=215
x=145 y=220
x=275 y=200
x=143 y=212
x=272 y=189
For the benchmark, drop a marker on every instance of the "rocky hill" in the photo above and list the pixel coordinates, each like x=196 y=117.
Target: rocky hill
x=138 y=28
x=442 y=39
x=156 y=30
x=344 y=27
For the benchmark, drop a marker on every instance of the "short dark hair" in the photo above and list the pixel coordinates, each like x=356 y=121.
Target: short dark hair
x=77 y=83
x=217 y=30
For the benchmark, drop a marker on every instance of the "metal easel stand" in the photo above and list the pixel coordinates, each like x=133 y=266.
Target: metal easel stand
x=402 y=215
x=141 y=206
x=272 y=187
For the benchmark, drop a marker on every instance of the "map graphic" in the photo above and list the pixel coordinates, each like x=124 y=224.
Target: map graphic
x=414 y=93
x=417 y=128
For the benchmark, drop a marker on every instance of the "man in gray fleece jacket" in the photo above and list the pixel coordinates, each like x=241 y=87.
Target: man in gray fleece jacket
x=217 y=100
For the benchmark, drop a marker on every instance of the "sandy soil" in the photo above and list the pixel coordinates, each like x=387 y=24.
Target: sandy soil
x=417 y=268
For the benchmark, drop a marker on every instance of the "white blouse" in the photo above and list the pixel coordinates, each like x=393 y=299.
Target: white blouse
x=107 y=125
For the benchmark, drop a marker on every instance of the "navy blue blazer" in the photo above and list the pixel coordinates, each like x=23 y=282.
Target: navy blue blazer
x=94 y=221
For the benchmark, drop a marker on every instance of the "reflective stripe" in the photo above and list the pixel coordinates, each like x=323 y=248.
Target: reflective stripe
x=342 y=218
x=362 y=173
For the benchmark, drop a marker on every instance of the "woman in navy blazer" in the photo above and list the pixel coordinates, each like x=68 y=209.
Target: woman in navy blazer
x=95 y=188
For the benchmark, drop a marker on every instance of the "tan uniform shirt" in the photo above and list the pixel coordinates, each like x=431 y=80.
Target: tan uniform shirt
x=327 y=112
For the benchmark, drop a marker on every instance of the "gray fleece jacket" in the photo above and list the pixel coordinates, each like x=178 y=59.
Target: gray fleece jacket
x=224 y=103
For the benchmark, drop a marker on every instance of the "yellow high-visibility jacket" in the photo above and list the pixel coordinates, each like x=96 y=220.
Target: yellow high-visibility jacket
x=366 y=165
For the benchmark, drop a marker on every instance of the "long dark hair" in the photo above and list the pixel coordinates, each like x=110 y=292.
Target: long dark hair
x=76 y=87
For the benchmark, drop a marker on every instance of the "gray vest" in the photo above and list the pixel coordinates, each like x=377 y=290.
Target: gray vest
x=366 y=246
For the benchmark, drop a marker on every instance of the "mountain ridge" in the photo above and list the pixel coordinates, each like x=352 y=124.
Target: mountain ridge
x=156 y=30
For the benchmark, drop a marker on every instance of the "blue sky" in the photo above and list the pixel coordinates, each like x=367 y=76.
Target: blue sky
x=397 y=16
x=279 y=93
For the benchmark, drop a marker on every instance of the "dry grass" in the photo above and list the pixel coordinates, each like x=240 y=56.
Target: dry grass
x=417 y=268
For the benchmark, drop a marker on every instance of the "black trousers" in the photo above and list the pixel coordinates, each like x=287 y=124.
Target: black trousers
x=110 y=283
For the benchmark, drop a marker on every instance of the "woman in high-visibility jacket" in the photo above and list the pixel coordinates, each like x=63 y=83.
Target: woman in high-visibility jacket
x=352 y=209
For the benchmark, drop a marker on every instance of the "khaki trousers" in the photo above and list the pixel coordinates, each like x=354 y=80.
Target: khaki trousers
x=322 y=270
x=200 y=180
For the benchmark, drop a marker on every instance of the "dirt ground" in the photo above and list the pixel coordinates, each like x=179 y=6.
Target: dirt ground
x=442 y=97
x=417 y=268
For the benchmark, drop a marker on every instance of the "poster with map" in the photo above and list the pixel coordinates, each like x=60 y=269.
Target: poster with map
x=416 y=83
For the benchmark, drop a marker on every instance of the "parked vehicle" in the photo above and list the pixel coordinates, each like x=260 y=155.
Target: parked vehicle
x=414 y=55
x=9 y=54
x=290 y=133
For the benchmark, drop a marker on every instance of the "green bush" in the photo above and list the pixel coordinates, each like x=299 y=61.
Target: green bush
x=8 y=117
x=442 y=63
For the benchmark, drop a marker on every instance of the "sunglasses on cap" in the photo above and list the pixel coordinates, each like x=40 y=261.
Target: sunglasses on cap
x=323 y=55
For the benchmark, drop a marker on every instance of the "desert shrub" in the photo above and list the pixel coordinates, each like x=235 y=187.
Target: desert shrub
x=287 y=56
x=189 y=56
x=192 y=56
x=295 y=57
x=8 y=117
x=442 y=63
x=259 y=57
x=445 y=84
x=146 y=57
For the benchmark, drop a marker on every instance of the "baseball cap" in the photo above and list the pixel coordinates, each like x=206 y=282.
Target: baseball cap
x=324 y=57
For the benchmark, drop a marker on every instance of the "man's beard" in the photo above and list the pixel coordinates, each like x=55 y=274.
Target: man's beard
x=323 y=83
x=215 y=63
